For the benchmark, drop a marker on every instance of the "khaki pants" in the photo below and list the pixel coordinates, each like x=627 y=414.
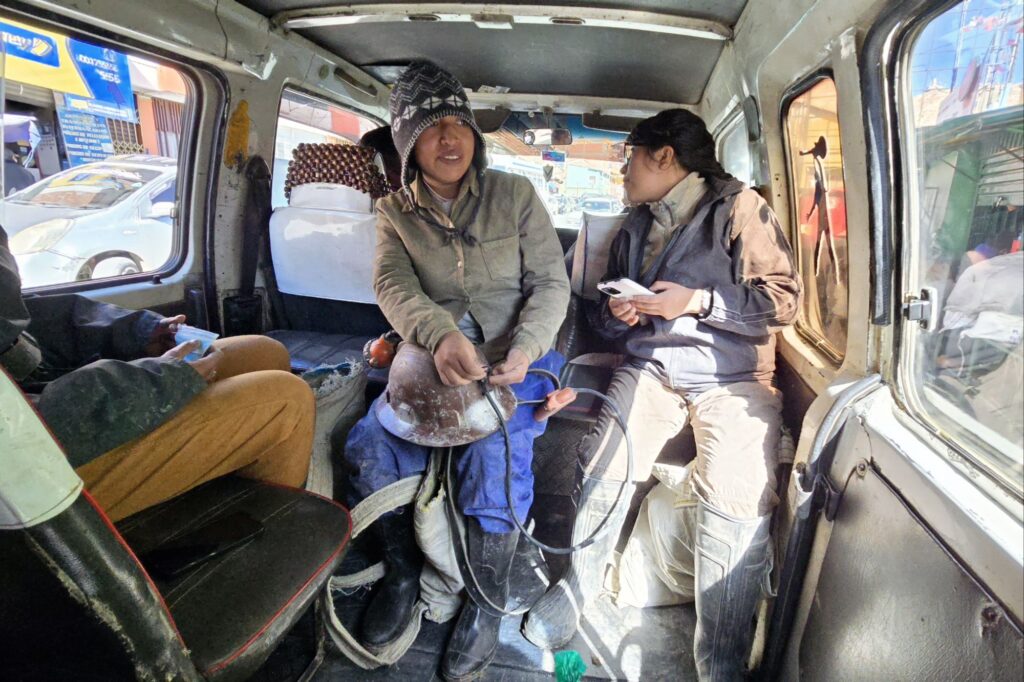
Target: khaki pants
x=736 y=428
x=256 y=420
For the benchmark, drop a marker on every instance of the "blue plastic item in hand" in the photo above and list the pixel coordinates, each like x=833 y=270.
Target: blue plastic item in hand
x=205 y=338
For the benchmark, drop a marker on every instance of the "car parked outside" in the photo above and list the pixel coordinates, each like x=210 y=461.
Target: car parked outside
x=101 y=219
x=601 y=205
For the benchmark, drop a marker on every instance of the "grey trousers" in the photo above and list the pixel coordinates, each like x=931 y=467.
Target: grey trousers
x=736 y=427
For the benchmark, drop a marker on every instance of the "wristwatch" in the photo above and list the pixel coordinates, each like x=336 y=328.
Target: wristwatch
x=706 y=299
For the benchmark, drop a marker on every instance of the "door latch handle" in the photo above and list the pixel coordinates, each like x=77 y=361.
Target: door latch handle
x=923 y=308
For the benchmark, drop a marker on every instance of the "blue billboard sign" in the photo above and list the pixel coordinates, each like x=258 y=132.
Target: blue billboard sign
x=29 y=45
x=105 y=73
x=86 y=137
x=553 y=156
x=93 y=79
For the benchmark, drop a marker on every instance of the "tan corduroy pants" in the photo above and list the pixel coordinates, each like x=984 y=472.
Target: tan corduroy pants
x=256 y=420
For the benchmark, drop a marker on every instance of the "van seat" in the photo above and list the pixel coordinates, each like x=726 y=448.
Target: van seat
x=309 y=350
x=233 y=609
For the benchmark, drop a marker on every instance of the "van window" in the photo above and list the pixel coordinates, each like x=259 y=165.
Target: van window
x=303 y=118
x=570 y=179
x=734 y=150
x=964 y=147
x=819 y=201
x=90 y=133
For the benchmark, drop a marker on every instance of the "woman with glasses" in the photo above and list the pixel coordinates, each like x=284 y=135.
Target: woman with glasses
x=699 y=350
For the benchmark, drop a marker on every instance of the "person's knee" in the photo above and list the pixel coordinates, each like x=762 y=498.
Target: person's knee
x=300 y=405
x=272 y=352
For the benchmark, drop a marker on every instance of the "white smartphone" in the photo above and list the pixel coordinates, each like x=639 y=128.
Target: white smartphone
x=623 y=287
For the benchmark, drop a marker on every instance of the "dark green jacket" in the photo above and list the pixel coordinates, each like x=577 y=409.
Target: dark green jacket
x=100 y=393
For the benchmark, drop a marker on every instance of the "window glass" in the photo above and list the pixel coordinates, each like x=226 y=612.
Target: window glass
x=89 y=133
x=734 y=150
x=306 y=119
x=819 y=200
x=570 y=179
x=964 y=145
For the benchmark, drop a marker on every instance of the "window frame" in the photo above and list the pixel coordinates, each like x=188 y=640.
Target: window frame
x=187 y=153
x=810 y=335
x=301 y=89
x=732 y=123
x=905 y=226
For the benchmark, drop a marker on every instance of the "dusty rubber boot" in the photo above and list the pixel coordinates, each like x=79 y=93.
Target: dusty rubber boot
x=475 y=638
x=391 y=608
x=732 y=558
x=553 y=620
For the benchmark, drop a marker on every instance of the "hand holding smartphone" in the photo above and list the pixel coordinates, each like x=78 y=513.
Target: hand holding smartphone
x=623 y=287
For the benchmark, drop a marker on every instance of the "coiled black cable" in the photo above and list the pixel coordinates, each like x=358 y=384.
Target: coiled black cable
x=603 y=528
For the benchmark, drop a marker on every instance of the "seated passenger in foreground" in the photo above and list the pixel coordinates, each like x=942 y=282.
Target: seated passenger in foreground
x=700 y=350
x=466 y=259
x=140 y=424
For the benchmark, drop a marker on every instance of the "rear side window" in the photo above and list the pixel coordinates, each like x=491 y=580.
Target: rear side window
x=963 y=137
x=819 y=202
x=91 y=134
x=306 y=119
x=734 y=150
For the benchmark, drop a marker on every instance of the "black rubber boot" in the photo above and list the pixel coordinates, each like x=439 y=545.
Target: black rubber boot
x=391 y=608
x=475 y=638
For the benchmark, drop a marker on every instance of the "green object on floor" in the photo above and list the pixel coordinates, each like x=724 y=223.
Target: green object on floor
x=569 y=666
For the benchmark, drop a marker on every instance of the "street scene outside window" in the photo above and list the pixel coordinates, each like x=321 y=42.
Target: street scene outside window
x=306 y=119
x=570 y=179
x=964 y=145
x=92 y=137
x=819 y=200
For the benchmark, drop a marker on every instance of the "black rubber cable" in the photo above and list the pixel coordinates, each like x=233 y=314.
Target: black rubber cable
x=599 y=532
x=603 y=528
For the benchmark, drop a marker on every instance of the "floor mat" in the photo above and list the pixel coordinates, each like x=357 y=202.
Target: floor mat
x=616 y=644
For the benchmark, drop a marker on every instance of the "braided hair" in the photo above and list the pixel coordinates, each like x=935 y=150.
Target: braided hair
x=688 y=136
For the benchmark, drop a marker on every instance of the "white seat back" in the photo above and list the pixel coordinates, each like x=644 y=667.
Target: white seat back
x=590 y=257
x=323 y=242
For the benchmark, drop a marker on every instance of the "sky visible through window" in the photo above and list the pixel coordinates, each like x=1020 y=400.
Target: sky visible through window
x=983 y=32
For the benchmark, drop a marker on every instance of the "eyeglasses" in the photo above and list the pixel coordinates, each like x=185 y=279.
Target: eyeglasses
x=627 y=154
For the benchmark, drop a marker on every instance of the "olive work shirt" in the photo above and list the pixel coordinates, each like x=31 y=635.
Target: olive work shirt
x=510 y=276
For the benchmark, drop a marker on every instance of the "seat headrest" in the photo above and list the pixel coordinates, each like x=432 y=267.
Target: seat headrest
x=342 y=164
x=590 y=257
x=331 y=197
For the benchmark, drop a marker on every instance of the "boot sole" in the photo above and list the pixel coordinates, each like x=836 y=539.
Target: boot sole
x=475 y=675
x=378 y=649
x=544 y=642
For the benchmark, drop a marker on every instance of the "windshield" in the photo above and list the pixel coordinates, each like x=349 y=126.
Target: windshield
x=569 y=178
x=89 y=187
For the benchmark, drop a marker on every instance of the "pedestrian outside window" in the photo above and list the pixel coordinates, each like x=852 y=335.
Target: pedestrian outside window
x=819 y=203
x=93 y=138
x=963 y=137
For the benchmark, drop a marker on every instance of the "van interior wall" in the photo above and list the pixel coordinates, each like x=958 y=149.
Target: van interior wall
x=775 y=47
x=252 y=62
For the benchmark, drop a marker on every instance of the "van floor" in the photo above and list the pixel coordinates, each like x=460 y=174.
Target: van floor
x=615 y=643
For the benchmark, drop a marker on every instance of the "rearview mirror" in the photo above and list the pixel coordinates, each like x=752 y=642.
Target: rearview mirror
x=547 y=136
x=161 y=209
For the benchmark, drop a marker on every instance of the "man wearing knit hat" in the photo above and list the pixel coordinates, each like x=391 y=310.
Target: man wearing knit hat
x=467 y=264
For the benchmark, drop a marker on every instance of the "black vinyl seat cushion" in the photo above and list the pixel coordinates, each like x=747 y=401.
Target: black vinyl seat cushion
x=234 y=609
x=314 y=349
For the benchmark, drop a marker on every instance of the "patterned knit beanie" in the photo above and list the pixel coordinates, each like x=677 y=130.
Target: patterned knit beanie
x=424 y=94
